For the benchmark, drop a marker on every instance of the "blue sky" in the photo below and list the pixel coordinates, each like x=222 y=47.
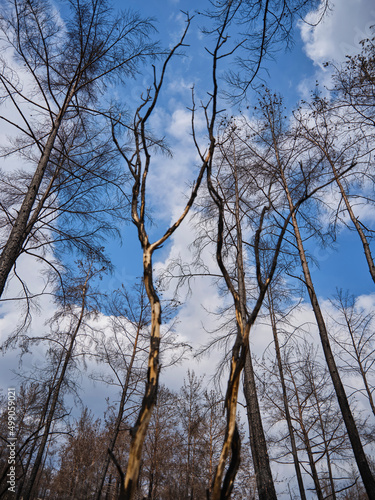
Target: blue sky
x=293 y=74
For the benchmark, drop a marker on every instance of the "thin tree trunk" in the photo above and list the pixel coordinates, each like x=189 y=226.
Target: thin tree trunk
x=361 y=367
x=139 y=170
x=263 y=474
x=43 y=464
x=119 y=413
x=55 y=398
x=353 y=218
x=211 y=454
x=150 y=486
x=285 y=399
x=361 y=459
x=357 y=225
x=21 y=229
x=42 y=419
x=326 y=447
x=306 y=442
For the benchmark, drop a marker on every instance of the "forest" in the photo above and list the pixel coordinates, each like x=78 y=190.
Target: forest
x=120 y=205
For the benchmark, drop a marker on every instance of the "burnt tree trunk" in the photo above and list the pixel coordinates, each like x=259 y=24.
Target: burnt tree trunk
x=359 y=454
x=263 y=474
x=285 y=400
x=56 y=394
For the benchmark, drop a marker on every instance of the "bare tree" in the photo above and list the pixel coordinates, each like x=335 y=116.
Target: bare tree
x=346 y=151
x=324 y=450
x=59 y=379
x=122 y=352
x=311 y=172
x=138 y=160
x=242 y=204
x=247 y=194
x=67 y=64
x=190 y=409
x=355 y=336
x=30 y=401
x=122 y=348
x=302 y=402
x=260 y=30
x=271 y=296
x=354 y=87
x=79 y=458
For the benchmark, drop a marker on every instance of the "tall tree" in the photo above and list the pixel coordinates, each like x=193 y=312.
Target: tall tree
x=160 y=475
x=271 y=303
x=311 y=173
x=353 y=333
x=347 y=150
x=242 y=208
x=253 y=219
x=190 y=403
x=59 y=379
x=138 y=160
x=30 y=404
x=264 y=27
x=80 y=458
x=66 y=63
x=122 y=352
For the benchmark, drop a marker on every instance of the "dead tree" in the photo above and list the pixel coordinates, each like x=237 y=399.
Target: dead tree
x=229 y=189
x=60 y=379
x=138 y=162
x=310 y=176
x=354 y=336
x=343 y=149
x=273 y=319
x=66 y=70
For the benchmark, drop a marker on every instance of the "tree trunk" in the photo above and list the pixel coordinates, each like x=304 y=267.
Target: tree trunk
x=306 y=442
x=357 y=225
x=360 y=457
x=325 y=441
x=119 y=414
x=264 y=480
x=364 y=241
x=362 y=368
x=55 y=398
x=285 y=400
x=241 y=359
x=41 y=424
x=149 y=399
x=20 y=229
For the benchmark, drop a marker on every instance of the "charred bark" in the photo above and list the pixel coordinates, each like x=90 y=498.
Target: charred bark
x=359 y=454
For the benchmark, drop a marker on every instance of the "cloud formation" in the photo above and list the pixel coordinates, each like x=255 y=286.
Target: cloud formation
x=339 y=32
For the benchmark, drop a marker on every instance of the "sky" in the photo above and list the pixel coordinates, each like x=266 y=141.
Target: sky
x=294 y=74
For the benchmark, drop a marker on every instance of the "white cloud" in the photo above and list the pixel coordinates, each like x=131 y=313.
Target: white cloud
x=180 y=124
x=337 y=35
x=172 y=176
x=339 y=32
x=195 y=319
x=179 y=85
x=366 y=302
x=12 y=314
